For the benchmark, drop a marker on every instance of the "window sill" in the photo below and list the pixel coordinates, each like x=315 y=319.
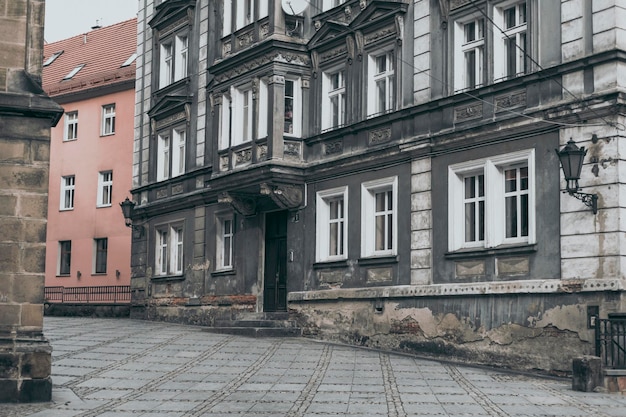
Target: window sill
x=378 y=260
x=70 y=140
x=223 y=273
x=104 y=135
x=99 y=274
x=503 y=250
x=167 y=278
x=66 y=209
x=103 y=206
x=64 y=275
x=342 y=263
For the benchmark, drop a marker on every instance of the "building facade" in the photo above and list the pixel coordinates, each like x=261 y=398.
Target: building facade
x=26 y=115
x=92 y=76
x=385 y=171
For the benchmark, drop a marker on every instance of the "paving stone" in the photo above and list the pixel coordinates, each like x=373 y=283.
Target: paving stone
x=122 y=367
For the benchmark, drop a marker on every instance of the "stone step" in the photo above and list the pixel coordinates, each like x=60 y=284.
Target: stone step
x=257 y=331
x=255 y=323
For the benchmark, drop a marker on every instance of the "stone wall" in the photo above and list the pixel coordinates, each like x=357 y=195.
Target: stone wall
x=26 y=116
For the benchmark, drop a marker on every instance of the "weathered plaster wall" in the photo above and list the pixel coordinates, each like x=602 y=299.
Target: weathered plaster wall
x=520 y=331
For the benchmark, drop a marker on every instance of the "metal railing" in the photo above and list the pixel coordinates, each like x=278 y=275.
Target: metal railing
x=111 y=294
x=611 y=341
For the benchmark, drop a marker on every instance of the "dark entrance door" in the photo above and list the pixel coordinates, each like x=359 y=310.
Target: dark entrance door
x=275 y=286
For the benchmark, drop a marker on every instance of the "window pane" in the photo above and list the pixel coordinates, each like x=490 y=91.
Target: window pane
x=523 y=173
x=511 y=216
x=510 y=180
x=470 y=191
x=470 y=217
x=65 y=257
x=333 y=242
x=509 y=18
x=481 y=220
x=524 y=209
x=289 y=106
x=380 y=233
x=470 y=68
x=101 y=256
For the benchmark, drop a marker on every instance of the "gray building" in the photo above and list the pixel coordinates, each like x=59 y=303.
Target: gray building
x=383 y=171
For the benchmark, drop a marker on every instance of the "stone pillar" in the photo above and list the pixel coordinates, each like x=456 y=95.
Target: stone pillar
x=26 y=115
x=277 y=105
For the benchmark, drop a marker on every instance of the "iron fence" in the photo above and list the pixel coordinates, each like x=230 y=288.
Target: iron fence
x=110 y=294
x=611 y=341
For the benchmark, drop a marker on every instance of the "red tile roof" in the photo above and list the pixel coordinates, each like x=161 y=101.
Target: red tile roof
x=102 y=51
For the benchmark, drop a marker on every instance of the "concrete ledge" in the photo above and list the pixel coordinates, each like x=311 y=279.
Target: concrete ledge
x=548 y=286
x=87 y=310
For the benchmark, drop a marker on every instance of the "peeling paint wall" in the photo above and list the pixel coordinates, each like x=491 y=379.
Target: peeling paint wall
x=523 y=332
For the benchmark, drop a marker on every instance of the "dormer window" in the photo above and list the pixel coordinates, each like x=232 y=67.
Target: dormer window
x=73 y=72
x=130 y=60
x=52 y=58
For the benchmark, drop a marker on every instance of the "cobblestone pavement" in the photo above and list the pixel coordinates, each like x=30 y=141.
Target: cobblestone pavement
x=121 y=367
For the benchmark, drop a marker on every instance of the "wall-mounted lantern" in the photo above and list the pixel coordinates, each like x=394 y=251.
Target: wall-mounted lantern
x=571 y=157
x=128 y=209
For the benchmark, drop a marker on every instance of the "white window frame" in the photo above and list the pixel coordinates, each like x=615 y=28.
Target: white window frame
x=181 y=61
x=71 y=126
x=463 y=47
x=518 y=33
x=105 y=188
x=296 y=130
x=225 y=125
x=330 y=93
x=387 y=77
x=224 y=241
x=243 y=104
x=368 y=217
x=60 y=258
x=227 y=17
x=263 y=109
x=493 y=169
x=108 y=119
x=324 y=221
x=166 y=63
x=96 y=252
x=68 y=187
x=169 y=249
x=179 y=145
x=330 y=4
x=244 y=14
x=163 y=156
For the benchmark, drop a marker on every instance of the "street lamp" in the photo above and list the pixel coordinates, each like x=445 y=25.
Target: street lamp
x=571 y=157
x=128 y=207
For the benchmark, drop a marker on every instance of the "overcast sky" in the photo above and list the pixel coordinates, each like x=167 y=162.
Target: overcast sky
x=67 y=18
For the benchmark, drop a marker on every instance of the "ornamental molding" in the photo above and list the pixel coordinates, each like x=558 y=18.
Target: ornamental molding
x=161 y=193
x=332 y=148
x=455 y=4
x=382 y=33
x=261 y=152
x=244 y=205
x=470 y=112
x=245 y=39
x=177 y=188
x=334 y=53
x=243 y=156
x=510 y=100
x=224 y=163
x=264 y=30
x=226 y=48
x=247 y=66
x=174 y=118
x=379 y=136
x=284 y=195
x=292 y=150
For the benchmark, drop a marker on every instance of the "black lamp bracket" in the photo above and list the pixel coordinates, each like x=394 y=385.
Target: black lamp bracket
x=590 y=200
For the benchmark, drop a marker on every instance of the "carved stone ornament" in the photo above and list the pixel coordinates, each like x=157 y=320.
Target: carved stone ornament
x=250 y=65
x=244 y=205
x=226 y=47
x=245 y=39
x=224 y=163
x=292 y=149
x=243 y=156
x=348 y=12
x=380 y=136
x=285 y=196
x=177 y=188
x=161 y=193
x=332 y=148
x=473 y=111
x=317 y=24
x=382 y=33
x=261 y=152
x=363 y=4
x=351 y=48
x=265 y=30
x=510 y=100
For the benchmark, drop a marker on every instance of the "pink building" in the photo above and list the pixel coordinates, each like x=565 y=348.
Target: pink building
x=92 y=76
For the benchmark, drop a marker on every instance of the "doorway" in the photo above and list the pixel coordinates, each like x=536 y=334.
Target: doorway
x=275 y=279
